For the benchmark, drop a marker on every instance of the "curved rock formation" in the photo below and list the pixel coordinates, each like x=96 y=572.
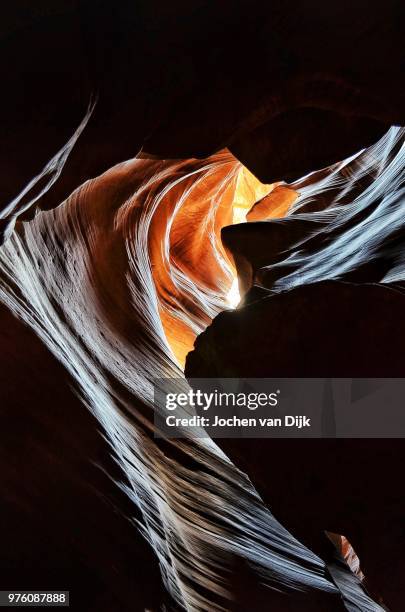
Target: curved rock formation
x=315 y=306
x=92 y=278
x=109 y=270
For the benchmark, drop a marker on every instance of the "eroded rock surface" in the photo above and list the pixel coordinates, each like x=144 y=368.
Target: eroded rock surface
x=347 y=486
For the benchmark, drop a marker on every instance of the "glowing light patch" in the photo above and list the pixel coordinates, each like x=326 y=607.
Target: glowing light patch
x=248 y=191
x=233 y=297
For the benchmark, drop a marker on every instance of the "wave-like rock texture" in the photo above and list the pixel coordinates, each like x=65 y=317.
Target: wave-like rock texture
x=322 y=296
x=108 y=283
x=105 y=283
x=113 y=286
